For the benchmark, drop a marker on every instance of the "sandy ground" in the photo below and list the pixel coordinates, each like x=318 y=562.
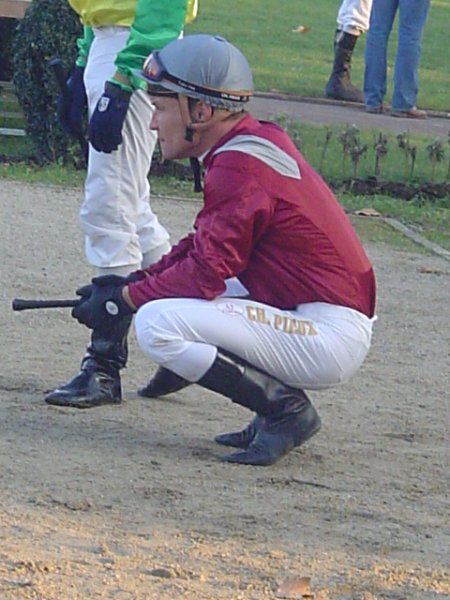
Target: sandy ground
x=133 y=502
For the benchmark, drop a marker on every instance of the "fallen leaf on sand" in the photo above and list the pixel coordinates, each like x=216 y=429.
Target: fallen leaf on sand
x=294 y=588
x=430 y=270
x=301 y=29
x=368 y=212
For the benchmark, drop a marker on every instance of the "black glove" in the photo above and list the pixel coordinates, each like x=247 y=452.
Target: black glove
x=102 y=305
x=72 y=104
x=105 y=126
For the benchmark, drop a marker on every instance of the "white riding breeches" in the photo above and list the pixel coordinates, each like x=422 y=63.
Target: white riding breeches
x=122 y=233
x=316 y=346
x=354 y=16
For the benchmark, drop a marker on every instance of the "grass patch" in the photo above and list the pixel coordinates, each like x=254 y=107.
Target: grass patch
x=169 y=186
x=429 y=219
x=396 y=165
x=375 y=231
x=300 y=63
x=48 y=175
x=15 y=147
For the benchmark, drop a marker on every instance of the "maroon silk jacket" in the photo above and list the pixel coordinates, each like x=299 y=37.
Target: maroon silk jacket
x=269 y=219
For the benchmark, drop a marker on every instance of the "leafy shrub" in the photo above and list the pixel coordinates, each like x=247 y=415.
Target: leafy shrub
x=49 y=29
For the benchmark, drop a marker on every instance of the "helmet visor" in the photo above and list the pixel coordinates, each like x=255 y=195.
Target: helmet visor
x=154 y=72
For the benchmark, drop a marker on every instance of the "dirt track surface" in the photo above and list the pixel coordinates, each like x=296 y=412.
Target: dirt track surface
x=133 y=502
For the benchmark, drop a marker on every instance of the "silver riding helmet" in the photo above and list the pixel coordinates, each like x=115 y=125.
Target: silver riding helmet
x=201 y=66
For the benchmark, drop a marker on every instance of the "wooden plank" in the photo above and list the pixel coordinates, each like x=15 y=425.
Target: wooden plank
x=14 y=9
x=12 y=132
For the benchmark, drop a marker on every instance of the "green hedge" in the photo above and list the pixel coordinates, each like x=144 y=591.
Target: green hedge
x=49 y=29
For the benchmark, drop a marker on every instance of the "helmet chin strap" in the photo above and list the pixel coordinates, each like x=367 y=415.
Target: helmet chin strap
x=189 y=134
x=192 y=127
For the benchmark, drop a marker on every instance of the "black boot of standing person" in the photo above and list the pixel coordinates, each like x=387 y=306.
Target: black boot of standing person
x=98 y=381
x=340 y=86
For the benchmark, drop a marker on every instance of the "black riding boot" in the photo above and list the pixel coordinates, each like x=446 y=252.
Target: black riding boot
x=340 y=86
x=162 y=383
x=98 y=381
x=241 y=439
x=288 y=417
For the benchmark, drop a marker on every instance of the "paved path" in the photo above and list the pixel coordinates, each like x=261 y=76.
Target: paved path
x=328 y=112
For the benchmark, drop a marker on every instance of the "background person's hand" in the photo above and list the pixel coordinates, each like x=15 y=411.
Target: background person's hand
x=105 y=125
x=72 y=104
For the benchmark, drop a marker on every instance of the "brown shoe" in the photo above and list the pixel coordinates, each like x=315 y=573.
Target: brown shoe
x=411 y=113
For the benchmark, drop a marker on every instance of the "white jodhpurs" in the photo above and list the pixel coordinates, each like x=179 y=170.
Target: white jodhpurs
x=354 y=16
x=120 y=227
x=316 y=346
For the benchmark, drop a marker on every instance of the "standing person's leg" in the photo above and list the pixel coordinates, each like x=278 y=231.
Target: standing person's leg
x=413 y=16
x=153 y=237
x=121 y=231
x=116 y=216
x=352 y=21
x=375 y=72
x=259 y=357
x=354 y=16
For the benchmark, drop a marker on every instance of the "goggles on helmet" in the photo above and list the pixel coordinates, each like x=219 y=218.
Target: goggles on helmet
x=154 y=71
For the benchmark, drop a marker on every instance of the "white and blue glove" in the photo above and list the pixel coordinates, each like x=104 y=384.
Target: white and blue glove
x=105 y=126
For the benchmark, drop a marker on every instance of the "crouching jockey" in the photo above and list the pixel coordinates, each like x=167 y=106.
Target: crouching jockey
x=272 y=293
